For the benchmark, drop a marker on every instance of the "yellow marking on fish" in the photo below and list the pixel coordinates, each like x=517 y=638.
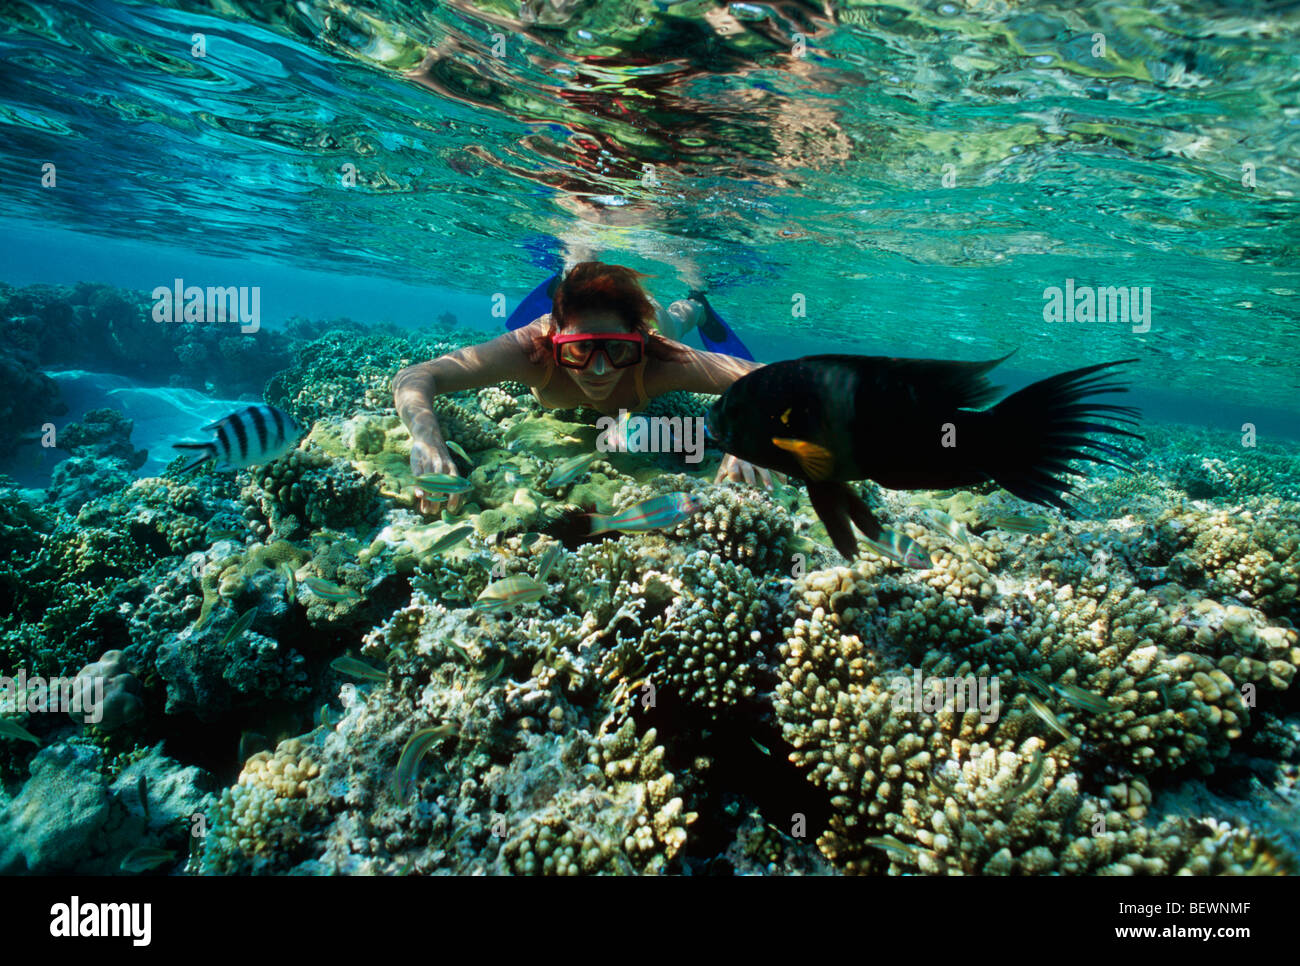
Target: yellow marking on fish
x=815 y=461
x=785 y=418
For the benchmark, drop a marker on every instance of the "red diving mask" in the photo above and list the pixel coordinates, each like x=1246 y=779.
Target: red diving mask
x=576 y=350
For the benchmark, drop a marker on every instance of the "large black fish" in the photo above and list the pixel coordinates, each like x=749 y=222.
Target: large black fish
x=914 y=424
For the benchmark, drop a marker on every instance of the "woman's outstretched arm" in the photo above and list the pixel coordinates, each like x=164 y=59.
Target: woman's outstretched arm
x=476 y=366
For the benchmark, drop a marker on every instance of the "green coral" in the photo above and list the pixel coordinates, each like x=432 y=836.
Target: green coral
x=342 y=373
x=259 y=825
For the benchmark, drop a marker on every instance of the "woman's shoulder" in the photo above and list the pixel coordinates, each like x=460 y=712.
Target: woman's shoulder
x=539 y=326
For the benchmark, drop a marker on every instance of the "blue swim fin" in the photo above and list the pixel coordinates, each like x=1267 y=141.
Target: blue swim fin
x=537 y=304
x=716 y=334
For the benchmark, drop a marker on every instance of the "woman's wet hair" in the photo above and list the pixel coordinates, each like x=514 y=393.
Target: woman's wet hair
x=591 y=287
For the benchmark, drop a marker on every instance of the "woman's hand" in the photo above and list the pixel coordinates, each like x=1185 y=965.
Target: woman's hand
x=431 y=458
x=738 y=471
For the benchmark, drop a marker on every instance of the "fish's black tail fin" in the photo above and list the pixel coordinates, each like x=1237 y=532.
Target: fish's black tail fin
x=1031 y=437
x=207 y=451
x=835 y=505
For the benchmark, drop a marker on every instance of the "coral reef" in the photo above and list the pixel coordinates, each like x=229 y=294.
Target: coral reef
x=93 y=811
x=1070 y=693
x=118 y=704
x=105 y=329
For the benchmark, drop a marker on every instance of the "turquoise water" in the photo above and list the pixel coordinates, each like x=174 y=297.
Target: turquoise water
x=905 y=179
x=774 y=175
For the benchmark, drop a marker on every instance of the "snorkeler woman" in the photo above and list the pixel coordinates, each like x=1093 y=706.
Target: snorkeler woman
x=599 y=335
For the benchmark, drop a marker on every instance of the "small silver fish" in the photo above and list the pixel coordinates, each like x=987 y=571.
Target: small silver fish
x=9 y=728
x=1035 y=682
x=655 y=513
x=1046 y=713
x=442 y=484
x=508 y=593
x=1017 y=523
x=258 y=434
x=451 y=538
x=946 y=524
x=456 y=448
x=493 y=674
x=548 y=561
x=568 y=471
x=900 y=548
x=145 y=858
x=408 y=762
x=250 y=743
x=1087 y=700
x=358 y=669
x=1031 y=779
x=237 y=629
x=328 y=591
x=900 y=850
x=290 y=579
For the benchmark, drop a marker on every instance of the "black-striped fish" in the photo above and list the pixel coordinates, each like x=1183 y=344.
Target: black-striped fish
x=258 y=434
